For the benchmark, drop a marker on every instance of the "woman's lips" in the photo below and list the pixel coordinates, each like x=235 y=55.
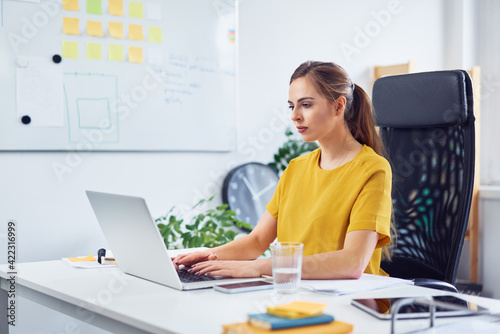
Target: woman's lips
x=301 y=128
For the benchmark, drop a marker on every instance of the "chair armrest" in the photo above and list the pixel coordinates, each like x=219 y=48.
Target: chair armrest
x=434 y=284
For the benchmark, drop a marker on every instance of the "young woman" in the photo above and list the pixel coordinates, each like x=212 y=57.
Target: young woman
x=336 y=200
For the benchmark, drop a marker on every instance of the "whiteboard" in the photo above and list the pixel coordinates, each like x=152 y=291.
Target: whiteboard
x=173 y=88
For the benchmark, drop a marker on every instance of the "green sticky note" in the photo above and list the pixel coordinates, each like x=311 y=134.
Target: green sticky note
x=94 y=7
x=70 y=50
x=94 y=51
x=115 y=52
x=154 y=34
x=135 y=9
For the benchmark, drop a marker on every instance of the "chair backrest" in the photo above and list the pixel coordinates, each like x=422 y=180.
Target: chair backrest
x=426 y=121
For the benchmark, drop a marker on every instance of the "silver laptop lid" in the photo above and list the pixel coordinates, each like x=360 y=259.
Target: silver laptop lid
x=134 y=238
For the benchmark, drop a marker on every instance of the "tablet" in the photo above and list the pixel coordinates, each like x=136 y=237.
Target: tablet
x=381 y=308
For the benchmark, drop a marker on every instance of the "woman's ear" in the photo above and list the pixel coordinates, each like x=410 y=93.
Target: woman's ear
x=340 y=105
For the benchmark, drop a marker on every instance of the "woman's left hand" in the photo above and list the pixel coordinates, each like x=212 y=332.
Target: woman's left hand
x=228 y=268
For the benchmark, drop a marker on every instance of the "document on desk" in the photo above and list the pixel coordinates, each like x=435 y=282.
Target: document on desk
x=367 y=282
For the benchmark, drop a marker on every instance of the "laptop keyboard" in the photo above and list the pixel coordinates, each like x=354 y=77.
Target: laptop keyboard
x=187 y=277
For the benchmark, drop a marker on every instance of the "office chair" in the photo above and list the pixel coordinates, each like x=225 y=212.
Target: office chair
x=426 y=121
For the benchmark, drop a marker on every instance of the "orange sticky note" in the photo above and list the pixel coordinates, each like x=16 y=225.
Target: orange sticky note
x=70 y=50
x=135 y=32
x=115 y=29
x=154 y=34
x=115 y=52
x=135 y=54
x=94 y=28
x=82 y=259
x=71 y=26
x=116 y=7
x=70 y=5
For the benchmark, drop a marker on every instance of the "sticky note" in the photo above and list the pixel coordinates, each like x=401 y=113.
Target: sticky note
x=115 y=29
x=154 y=34
x=94 y=51
x=70 y=5
x=135 y=54
x=115 y=52
x=155 y=56
x=136 y=9
x=94 y=7
x=82 y=259
x=70 y=50
x=135 y=32
x=94 y=28
x=71 y=26
x=153 y=11
x=116 y=7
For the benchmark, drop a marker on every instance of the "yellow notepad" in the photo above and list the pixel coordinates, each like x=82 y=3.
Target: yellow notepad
x=335 y=327
x=297 y=309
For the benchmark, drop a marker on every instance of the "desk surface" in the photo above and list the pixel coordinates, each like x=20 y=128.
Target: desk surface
x=98 y=295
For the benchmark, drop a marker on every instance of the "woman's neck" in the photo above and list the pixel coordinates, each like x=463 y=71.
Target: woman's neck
x=336 y=154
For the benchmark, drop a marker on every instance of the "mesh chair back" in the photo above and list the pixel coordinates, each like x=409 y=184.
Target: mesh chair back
x=427 y=124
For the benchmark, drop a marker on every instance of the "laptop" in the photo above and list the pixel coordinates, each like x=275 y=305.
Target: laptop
x=138 y=247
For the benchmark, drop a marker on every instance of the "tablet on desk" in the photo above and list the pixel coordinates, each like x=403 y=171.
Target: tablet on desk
x=382 y=308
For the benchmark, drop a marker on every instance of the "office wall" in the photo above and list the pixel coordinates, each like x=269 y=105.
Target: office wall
x=52 y=213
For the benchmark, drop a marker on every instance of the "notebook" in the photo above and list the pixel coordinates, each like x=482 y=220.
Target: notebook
x=137 y=244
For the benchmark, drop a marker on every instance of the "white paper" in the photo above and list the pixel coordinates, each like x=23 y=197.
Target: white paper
x=465 y=327
x=367 y=282
x=40 y=92
x=88 y=264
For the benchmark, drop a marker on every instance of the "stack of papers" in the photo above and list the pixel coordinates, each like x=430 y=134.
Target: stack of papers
x=367 y=282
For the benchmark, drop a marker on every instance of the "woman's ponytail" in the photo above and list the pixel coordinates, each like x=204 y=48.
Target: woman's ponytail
x=359 y=118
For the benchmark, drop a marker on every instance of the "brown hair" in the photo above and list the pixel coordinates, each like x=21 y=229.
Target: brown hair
x=332 y=81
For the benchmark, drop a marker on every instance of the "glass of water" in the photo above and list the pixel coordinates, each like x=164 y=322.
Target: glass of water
x=287 y=266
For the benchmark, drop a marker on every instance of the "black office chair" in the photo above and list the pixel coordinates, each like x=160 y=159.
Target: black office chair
x=426 y=121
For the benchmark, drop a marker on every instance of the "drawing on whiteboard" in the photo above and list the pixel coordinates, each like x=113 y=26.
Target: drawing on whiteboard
x=91 y=106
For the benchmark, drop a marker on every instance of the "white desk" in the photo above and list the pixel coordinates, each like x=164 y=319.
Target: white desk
x=120 y=303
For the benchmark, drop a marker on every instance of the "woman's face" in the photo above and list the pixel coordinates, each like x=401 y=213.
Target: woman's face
x=315 y=117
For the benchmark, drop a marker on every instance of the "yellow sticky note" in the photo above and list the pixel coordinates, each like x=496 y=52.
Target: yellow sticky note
x=115 y=52
x=136 y=9
x=94 y=28
x=115 y=29
x=94 y=51
x=70 y=50
x=116 y=7
x=70 y=5
x=135 y=54
x=71 y=26
x=154 y=34
x=82 y=259
x=297 y=309
x=135 y=32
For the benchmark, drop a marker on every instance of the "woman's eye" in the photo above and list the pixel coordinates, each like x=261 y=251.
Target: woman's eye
x=290 y=107
x=306 y=105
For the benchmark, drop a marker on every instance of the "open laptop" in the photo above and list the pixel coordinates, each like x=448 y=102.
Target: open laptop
x=138 y=246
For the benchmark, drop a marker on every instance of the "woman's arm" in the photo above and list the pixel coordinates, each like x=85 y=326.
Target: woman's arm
x=248 y=247
x=349 y=262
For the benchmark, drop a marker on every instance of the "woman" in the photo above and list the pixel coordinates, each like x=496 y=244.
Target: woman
x=336 y=200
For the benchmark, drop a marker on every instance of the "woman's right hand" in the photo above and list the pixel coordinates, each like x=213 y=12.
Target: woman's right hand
x=189 y=259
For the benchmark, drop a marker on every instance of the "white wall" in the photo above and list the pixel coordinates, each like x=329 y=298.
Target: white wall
x=274 y=37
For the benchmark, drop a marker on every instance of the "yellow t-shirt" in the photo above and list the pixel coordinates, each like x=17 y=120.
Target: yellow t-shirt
x=319 y=207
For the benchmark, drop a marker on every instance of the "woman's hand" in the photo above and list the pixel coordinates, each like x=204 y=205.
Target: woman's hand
x=229 y=268
x=190 y=259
